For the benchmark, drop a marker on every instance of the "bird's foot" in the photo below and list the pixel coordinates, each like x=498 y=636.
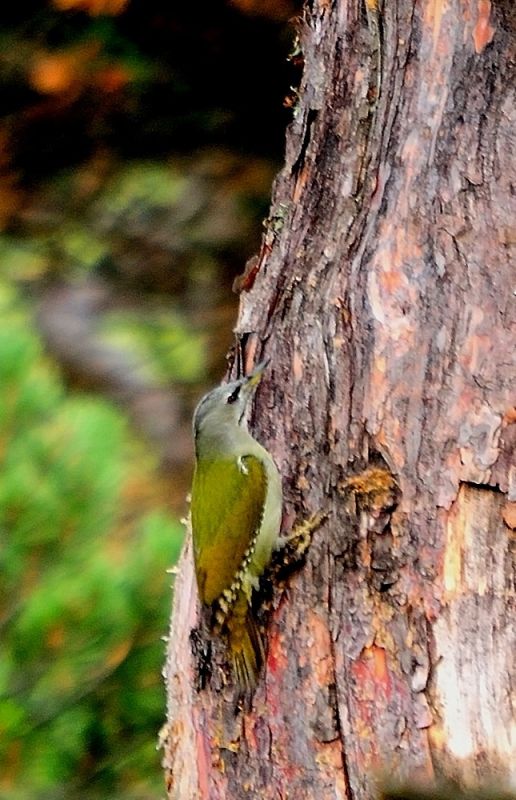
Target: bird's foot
x=295 y=544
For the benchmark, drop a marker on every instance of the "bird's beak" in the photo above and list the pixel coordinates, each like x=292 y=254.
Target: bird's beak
x=253 y=379
x=249 y=384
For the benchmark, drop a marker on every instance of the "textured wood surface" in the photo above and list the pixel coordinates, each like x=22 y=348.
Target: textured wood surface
x=385 y=295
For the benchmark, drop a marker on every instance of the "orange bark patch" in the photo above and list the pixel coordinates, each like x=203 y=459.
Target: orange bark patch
x=276 y=656
x=381 y=672
x=509 y=515
x=300 y=184
x=510 y=416
x=434 y=14
x=391 y=280
x=372 y=673
x=453 y=551
x=321 y=649
x=297 y=366
x=203 y=762
x=483 y=31
x=378 y=372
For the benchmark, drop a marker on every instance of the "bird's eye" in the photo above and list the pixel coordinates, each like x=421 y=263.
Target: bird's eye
x=233 y=397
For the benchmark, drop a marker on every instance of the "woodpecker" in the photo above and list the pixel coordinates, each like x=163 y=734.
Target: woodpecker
x=236 y=510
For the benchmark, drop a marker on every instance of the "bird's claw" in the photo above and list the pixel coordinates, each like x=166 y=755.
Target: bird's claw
x=295 y=544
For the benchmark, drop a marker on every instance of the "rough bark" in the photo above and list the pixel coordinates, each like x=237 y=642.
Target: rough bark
x=385 y=296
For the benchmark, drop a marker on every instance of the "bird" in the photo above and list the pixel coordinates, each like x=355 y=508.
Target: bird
x=236 y=512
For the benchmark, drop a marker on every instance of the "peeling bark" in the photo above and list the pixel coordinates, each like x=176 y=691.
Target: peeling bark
x=385 y=296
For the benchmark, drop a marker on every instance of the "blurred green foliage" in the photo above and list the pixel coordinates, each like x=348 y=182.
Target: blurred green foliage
x=83 y=590
x=162 y=340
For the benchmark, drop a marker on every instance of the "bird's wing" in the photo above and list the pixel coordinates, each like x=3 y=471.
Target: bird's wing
x=228 y=499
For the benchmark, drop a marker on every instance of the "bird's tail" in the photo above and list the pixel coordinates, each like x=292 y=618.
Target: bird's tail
x=245 y=644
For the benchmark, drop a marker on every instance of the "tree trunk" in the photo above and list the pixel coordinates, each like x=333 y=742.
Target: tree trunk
x=385 y=297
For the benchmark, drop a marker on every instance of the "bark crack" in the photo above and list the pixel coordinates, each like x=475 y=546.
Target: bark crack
x=305 y=142
x=334 y=691
x=338 y=726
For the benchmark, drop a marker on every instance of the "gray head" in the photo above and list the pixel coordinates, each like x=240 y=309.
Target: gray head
x=225 y=406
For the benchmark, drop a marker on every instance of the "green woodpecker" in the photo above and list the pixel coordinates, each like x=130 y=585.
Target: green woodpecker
x=236 y=517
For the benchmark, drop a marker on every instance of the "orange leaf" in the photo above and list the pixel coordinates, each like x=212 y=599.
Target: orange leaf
x=54 y=74
x=112 y=79
x=94 y=8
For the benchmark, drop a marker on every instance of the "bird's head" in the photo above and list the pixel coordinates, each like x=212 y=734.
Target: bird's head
x=225 y=407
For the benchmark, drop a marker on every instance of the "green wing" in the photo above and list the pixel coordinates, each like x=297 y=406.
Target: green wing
x=228 y=498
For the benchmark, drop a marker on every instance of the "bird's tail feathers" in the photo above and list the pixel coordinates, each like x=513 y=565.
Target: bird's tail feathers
x=245 y=644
